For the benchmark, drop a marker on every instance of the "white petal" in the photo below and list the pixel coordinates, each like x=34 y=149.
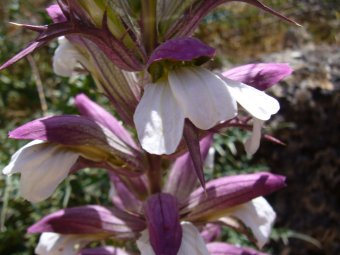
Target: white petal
x=66 y=58
x=256 y=102
x=159 y=120
x=43 y=166
x=143 y=244
x=16 y=158
x=55 y=244
x=202 y=95
x=259 y=216
x=253 y=142
x=192 y=242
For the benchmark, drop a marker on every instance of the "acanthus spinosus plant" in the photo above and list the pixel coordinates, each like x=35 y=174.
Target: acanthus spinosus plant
x=142 y=55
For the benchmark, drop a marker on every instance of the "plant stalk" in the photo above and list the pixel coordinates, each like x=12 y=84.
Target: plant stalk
x=155 y=173
x=149 y=24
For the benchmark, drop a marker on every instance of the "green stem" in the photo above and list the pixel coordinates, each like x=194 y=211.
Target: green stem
x=149 y=24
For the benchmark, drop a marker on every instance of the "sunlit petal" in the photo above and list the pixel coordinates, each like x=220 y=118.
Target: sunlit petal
x=159 y=120
x=256 y=102
x=253 y=142
x=202 y=95
x=43 y=166
x=259 y=216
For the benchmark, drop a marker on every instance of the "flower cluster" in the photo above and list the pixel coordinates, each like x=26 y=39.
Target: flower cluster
x=142 y=55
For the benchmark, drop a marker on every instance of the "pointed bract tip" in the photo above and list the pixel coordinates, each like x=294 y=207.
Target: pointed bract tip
x=30 y=27
x=192 y=140
x=15 y=24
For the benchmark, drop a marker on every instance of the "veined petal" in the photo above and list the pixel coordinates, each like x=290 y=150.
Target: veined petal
x=259 y=216
x=55 y=244
x=223 y=194
x=202 y=95
x=192 y=243
x=43 y=166
x=256 y=102
x=165 y=233
x=253 y=142
x=260 y=75
x=159 y=120
x=91 y=220
x=120 y=87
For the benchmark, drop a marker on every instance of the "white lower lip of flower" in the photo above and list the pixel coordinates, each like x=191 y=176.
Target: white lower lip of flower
x=55 y=244
x=202 y=95
x=190 y=92
x=253 y=142
x=192 y=242
x=257 y=215
x=159 y=120
x=43 y=166
x=66 y=58
x=256 y=102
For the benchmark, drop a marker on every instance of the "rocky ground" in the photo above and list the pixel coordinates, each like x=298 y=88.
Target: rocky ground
x=309 y=123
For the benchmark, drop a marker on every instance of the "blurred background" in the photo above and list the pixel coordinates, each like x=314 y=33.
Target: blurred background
x=308 y=209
